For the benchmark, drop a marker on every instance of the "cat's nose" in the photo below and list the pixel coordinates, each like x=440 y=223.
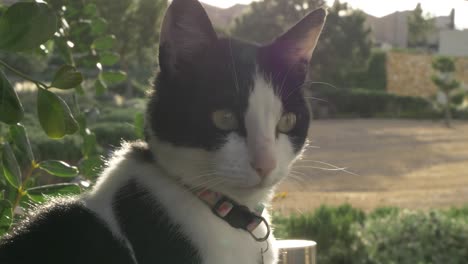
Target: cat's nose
x=264 y=167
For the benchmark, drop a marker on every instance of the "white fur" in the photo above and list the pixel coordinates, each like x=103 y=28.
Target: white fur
x=216 y=241
x=226 y=170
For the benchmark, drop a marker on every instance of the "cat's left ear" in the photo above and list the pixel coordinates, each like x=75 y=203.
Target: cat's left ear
x=297 y=44
x=186 y=32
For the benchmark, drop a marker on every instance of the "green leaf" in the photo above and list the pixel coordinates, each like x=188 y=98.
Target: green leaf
x=63 y=50
x=67 y=77
x=104 y=43
x=91 y=166
x=11 y=110
x=98 y=26
x=139 y=125
x=37 y=193
x=109 y=58
x=11 y=169
x=113 y=77
x=54 y=115
x=90 y=10
x=89 y=144
x=21 y=140
x=26 y=25
x=6 y=216
x=100 y=86
x=58 y=168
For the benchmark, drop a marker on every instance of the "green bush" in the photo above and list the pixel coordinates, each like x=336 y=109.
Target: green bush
x=415 y=237
x=330 y=227
x=457 y=212
x=367 y=103
x=383 y=212
x=110 y=135
x=374 y=77
x=385 y=235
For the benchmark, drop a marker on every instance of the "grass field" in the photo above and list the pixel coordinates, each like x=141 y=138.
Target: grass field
x=404 y=163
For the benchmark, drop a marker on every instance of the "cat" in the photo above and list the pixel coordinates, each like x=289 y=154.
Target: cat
x=226 y=121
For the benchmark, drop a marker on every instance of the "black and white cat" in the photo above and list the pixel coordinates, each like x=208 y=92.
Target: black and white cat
x=224 y=125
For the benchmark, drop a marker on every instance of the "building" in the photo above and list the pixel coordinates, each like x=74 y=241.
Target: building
x=453 y=42
x=391 y=31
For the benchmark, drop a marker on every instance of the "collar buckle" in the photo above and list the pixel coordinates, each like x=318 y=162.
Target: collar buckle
x=239 y=216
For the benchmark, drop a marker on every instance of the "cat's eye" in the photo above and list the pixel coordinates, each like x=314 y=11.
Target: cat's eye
x=224 y=120
x=287 y=122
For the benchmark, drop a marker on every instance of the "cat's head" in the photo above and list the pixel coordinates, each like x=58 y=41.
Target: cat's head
x=228 y=114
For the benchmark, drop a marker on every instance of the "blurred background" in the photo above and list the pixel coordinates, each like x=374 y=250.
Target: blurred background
x=388 y=143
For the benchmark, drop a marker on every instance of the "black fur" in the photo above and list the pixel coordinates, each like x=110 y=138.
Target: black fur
x=154 y=238
x=62 y=232
x=65 y=231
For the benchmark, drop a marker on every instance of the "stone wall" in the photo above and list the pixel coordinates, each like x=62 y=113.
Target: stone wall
x=410 y=74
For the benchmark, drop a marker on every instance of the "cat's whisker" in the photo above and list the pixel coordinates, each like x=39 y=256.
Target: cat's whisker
x=310 y=82
x=296 y=177
x=284 y=81
x=298 y=172
x=200 y=177
x=321 y=168
x=236 y=81
x=203 y=184
x=329 y=164
x=316 y=82
x=328 y=169
x=297 y=180
x=316 y=98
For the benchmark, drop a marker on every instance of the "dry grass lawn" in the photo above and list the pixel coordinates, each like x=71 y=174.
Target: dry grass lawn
x=405 y=163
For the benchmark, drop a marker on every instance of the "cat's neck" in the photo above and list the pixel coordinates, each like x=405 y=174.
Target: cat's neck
x=249 y=197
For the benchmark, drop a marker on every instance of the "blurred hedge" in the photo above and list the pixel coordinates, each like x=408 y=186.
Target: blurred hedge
x=415 y=237
x=336 y=102
x=330 y=227
x=374 y=77
x=386 y=235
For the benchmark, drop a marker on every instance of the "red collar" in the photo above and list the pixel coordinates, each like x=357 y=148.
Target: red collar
x=236 y=215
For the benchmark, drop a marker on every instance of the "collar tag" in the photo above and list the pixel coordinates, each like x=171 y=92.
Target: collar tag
x=236 y=215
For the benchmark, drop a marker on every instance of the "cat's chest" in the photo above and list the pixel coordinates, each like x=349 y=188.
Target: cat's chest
x=215 y=240
x=220 y=243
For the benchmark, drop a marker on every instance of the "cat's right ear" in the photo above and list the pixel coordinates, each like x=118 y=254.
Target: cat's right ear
x=186 y=31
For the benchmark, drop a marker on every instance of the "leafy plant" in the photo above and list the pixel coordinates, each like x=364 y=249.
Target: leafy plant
x=66 y=32
x=19 y=168
x=386 y=235
x=415 y=237
x=331 y=228
x=443 y=78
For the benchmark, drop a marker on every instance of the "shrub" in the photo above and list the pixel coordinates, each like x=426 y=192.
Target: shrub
x=415 y=237
x=374 y=77
x=457 y=212
x=383 y=212
x=367 y=103
x=330 y=227
x=110 y=135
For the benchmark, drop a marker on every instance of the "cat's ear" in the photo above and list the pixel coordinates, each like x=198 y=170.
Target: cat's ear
x=186 y=31
x=298 y=43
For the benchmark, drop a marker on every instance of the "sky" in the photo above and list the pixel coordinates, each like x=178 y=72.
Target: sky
x=384 y=7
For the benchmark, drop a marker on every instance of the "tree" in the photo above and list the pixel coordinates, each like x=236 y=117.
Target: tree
x=443 y=77
x=74 y=35
x=419 y=28
x=344 y=46
x=137 y=34
x=269 y=18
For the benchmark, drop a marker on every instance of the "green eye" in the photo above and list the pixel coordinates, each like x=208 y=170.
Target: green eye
x=287 y=122
x=224 y=120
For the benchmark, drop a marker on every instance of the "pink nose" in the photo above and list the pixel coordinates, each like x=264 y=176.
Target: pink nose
x=263 y=167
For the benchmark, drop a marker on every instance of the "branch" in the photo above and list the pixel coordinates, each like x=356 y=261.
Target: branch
x=24 y=76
